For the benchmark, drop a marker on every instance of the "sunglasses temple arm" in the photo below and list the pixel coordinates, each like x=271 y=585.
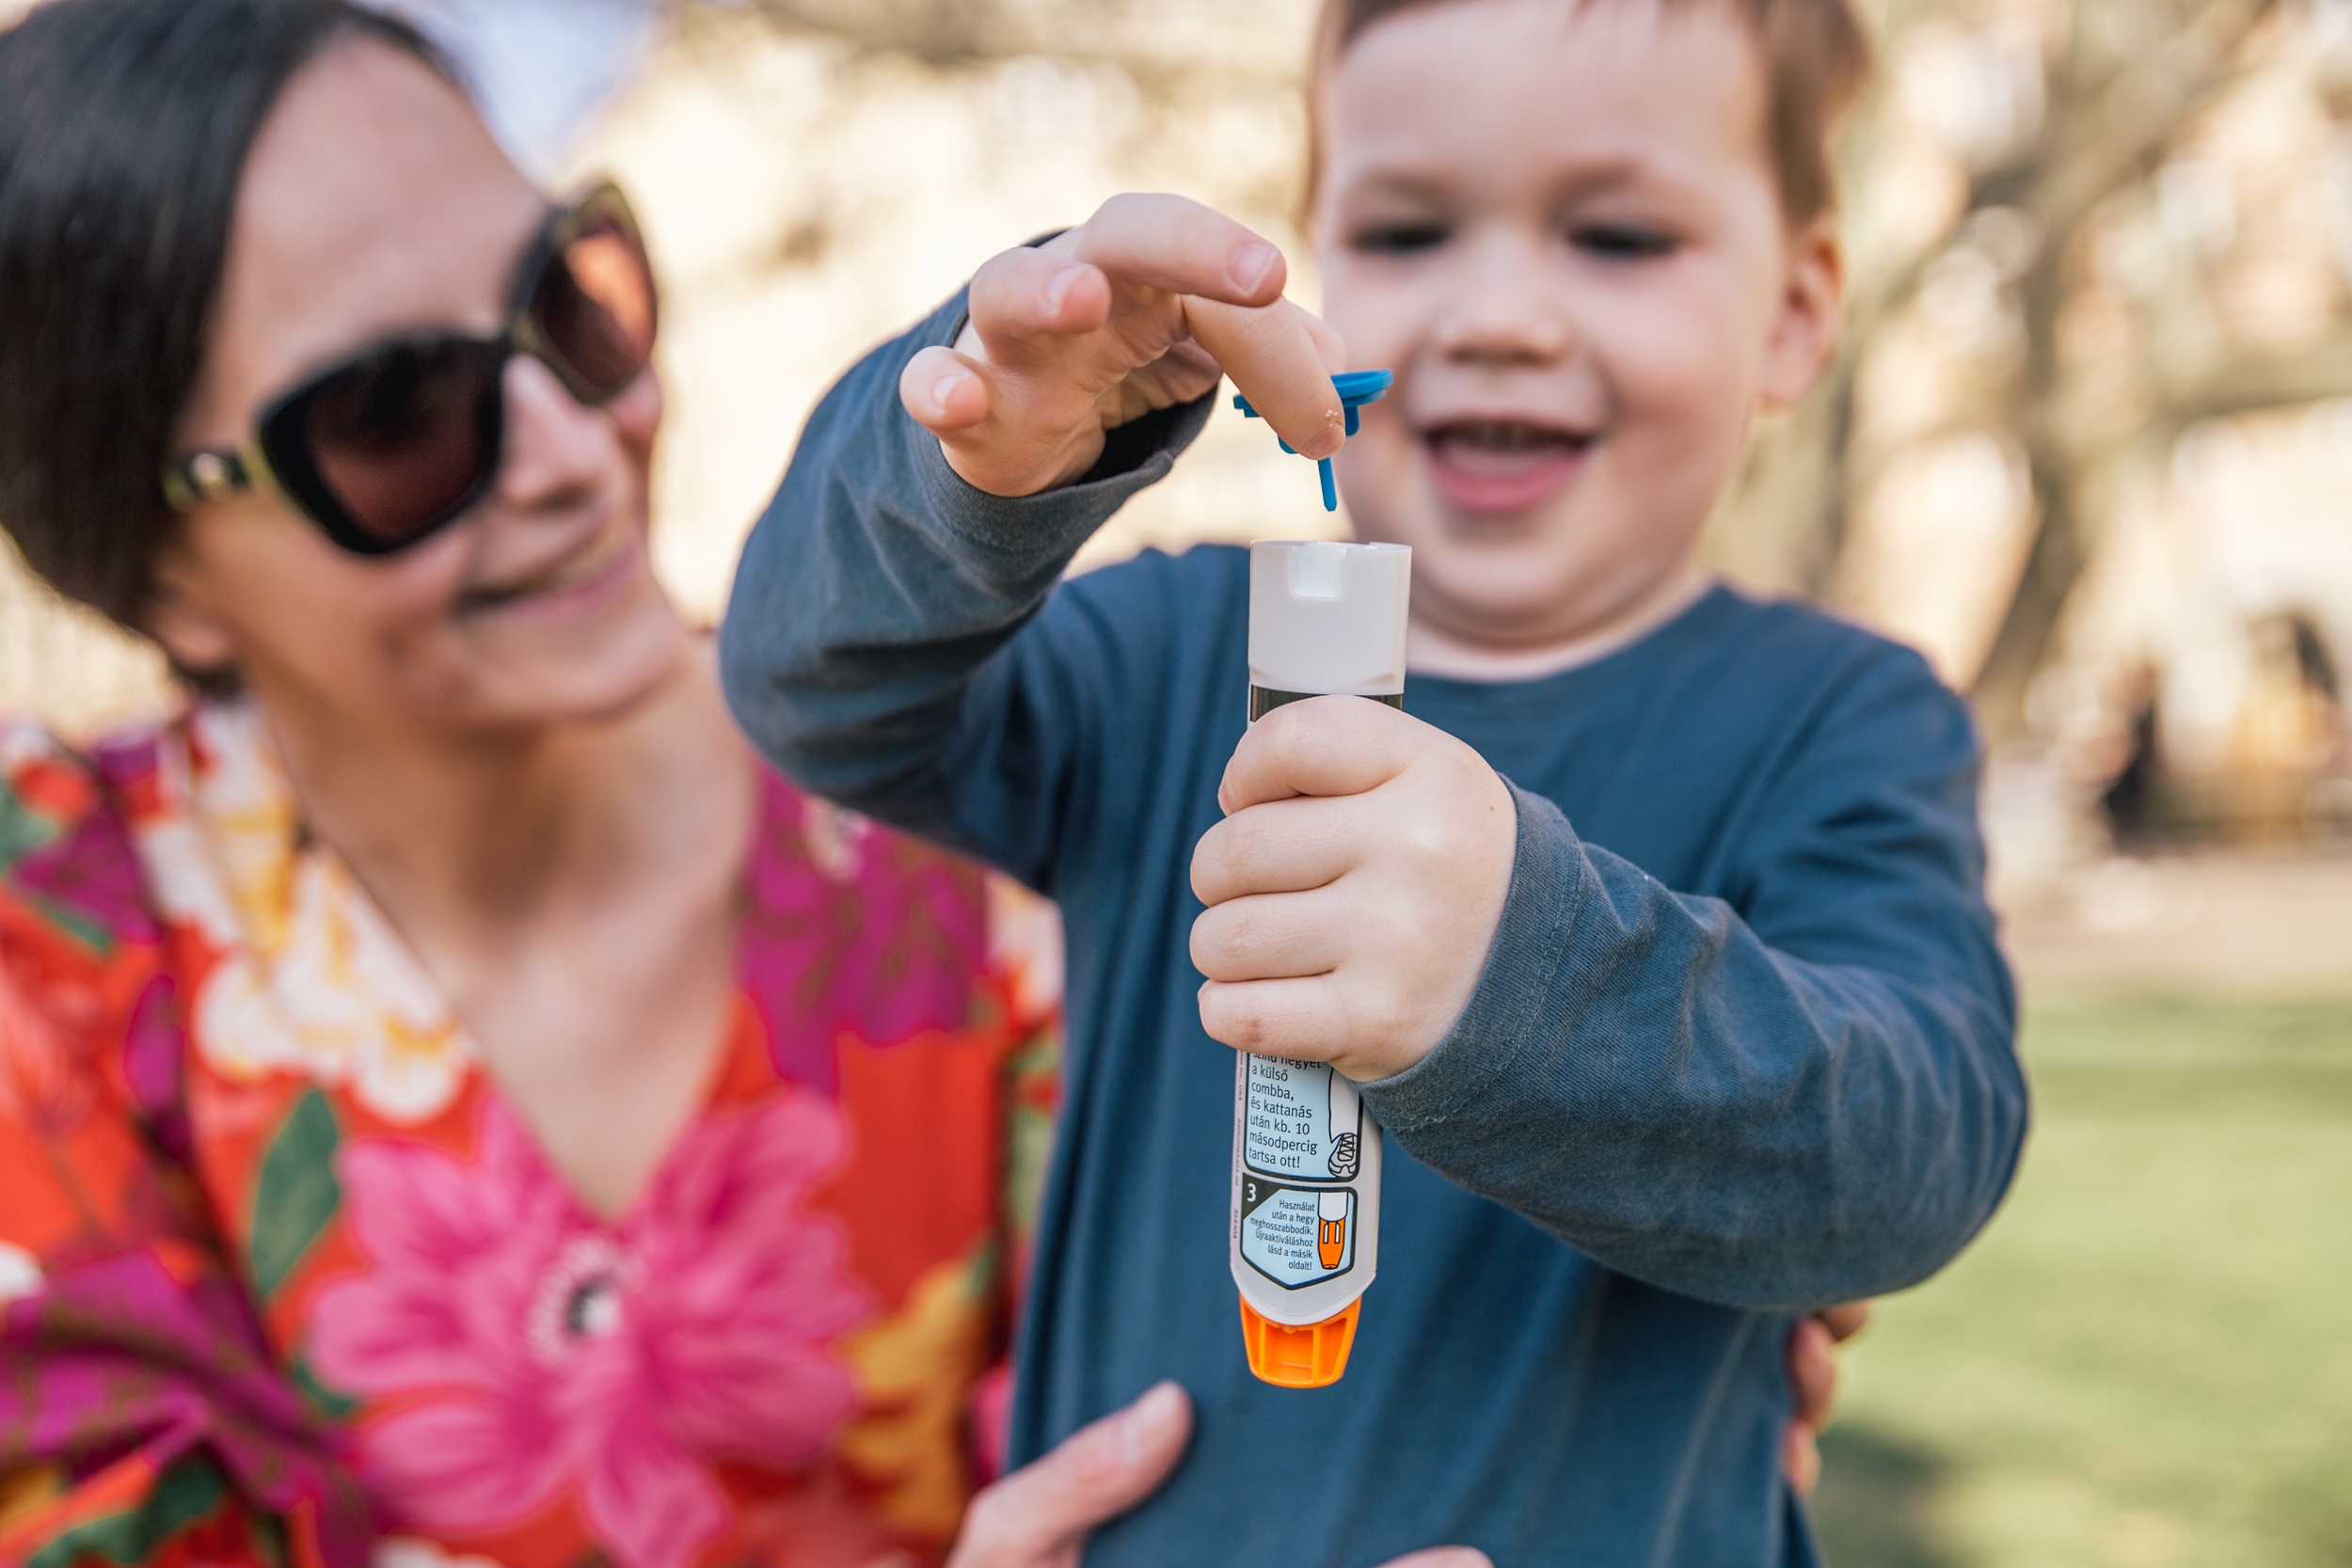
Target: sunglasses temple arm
x=207 y=476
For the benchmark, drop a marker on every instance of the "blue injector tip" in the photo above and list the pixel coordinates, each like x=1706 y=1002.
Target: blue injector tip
x=1356 y=388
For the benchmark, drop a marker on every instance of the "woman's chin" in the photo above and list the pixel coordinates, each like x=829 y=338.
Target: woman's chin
x=590 y=673
x=636 y=674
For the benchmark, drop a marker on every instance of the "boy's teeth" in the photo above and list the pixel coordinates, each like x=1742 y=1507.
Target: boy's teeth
x=1508 y=435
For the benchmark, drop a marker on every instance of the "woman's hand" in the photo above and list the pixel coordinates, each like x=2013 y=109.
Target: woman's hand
x=1041 y=1515
x=1813 y=1376
x=1142 y=307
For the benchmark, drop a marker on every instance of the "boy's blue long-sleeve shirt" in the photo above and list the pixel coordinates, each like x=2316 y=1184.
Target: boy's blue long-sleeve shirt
x=1742 y=1046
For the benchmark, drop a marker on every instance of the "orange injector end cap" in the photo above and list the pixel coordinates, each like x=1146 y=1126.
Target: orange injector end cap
x=1312 y=1356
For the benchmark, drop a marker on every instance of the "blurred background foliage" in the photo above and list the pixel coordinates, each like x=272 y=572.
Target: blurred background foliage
x=2089 y=446
x=2082 y=446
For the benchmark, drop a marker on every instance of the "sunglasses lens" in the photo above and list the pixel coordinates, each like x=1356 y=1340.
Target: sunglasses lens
x=401 y=439
x=387 y=448
x=594 y=305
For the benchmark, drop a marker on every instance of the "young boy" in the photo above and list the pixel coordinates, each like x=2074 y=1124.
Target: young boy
x=1653 y=929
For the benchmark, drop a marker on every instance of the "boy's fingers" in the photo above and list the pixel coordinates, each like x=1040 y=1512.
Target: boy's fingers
x=1279 y=846
x=945 y=392
x=989 y=436
x=1180 y=247
x=1442 y=1557
x=1323 y=746
x=966 y=404
x=1022 y=301
x=1307 y=1017
x=1042 y=1512
x=1279 y=937
x=1283 y=364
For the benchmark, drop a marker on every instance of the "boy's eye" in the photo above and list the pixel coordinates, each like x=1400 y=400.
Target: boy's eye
x=1400 y=239
x=1621 y=242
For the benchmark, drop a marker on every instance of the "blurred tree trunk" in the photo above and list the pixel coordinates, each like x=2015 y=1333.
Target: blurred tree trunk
x=2122 y=84
x=2111 y=125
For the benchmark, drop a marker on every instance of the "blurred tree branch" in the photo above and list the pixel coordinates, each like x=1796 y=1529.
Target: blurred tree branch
x=2120 y=90
x=2109 y=129
x=1154 y=45
x=2311 y=374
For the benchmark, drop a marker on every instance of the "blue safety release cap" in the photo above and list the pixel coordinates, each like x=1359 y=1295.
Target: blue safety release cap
x=1356 y=388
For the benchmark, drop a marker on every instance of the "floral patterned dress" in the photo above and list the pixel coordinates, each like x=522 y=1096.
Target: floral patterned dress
x=287 y=1280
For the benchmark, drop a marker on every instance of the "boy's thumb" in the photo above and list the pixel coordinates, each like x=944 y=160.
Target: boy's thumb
x=1039 y=1515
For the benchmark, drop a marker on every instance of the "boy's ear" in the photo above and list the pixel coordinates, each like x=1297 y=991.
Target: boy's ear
x=1812 y=315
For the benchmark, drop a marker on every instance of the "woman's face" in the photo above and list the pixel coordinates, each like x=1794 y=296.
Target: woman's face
x=376 y=203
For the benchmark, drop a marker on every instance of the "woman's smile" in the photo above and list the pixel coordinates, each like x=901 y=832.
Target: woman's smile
x=583 y=580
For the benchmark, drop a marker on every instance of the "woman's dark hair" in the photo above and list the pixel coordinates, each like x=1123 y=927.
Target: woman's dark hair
x=124 y=130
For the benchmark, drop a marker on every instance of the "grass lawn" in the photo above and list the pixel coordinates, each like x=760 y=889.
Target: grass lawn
x=2146 y=1360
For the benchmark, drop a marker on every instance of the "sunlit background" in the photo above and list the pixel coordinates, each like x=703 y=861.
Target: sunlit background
x=2090 y=448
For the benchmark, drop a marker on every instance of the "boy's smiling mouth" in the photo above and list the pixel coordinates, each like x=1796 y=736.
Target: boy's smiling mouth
x=1501 y=465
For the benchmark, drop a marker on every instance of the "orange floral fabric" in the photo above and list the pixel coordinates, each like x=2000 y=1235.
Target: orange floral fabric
x=285 y=1278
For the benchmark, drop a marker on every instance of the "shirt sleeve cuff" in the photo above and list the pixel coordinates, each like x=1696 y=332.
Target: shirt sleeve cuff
x=1515 y=990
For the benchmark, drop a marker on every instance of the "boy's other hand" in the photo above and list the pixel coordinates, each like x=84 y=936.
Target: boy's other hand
x=1041 y=1515
x=1142 y=307
x=1353 y=889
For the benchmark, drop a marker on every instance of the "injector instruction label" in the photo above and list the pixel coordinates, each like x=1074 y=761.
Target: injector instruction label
x=1297 y=1236
x=1304 y=1120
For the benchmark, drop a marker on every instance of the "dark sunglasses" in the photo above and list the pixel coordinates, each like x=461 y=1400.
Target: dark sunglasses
x=387 y=447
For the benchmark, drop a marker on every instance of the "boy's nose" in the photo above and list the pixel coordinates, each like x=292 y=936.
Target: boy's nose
x=1507 y=308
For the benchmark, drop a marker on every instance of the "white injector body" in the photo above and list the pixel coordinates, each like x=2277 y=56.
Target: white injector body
x=1325 y=620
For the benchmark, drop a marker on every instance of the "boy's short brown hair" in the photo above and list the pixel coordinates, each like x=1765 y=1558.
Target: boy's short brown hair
x=1815 y=56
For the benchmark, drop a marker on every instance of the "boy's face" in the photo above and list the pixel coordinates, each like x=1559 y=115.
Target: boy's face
x=1558 y=224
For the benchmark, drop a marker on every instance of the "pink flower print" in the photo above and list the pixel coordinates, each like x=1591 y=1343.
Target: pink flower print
x=853 y=926
x=91 y=872
x=534 y=1349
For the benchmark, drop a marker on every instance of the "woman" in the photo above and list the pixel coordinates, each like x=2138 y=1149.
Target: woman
x=455 y=1103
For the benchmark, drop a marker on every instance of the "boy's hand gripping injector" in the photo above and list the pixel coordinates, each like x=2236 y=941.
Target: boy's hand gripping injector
x=1305 y=1235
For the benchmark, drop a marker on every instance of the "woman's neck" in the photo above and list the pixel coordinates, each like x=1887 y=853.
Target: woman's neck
x=477 y=837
